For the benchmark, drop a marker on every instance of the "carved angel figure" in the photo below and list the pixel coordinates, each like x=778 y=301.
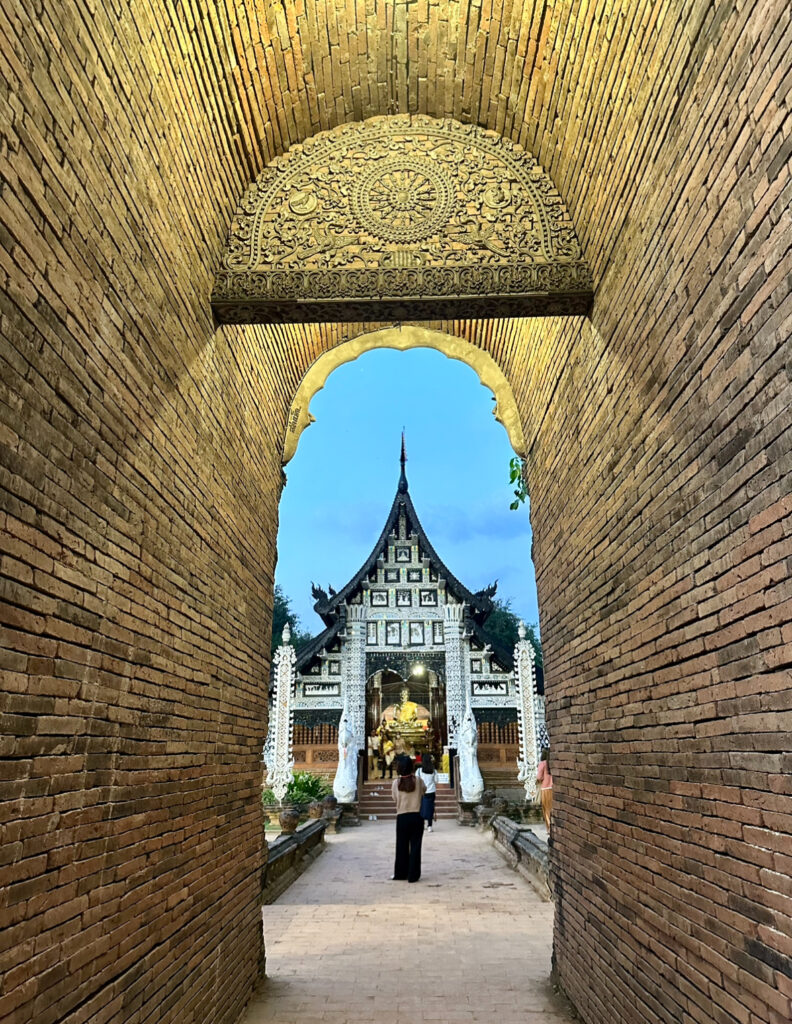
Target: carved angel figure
x=470 y=780
x=345 y=782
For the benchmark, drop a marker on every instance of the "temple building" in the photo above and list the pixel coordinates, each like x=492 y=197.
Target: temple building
x=406 y=651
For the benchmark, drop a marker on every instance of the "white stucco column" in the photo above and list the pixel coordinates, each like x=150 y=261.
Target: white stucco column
x=525 y=687
x=354 y=680
x=278 y=749
x=456 y=669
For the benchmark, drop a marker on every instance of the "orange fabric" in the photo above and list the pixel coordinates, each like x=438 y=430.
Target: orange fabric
x=547 y=805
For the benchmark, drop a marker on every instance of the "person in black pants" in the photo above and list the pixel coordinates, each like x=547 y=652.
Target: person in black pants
x=407 y=793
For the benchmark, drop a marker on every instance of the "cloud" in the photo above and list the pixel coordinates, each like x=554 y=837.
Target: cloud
x=490 y=520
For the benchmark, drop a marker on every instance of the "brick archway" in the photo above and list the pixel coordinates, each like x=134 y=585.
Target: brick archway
x=140 y=471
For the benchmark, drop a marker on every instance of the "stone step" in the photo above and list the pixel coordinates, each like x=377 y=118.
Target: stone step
x=390 y=815
x=376 y=801
x=441 y=798
x=390 y=812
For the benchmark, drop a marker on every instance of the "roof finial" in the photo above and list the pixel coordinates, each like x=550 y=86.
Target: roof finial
x=403 y=460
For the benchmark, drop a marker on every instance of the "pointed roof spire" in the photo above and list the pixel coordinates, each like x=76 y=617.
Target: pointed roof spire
x=403 y=460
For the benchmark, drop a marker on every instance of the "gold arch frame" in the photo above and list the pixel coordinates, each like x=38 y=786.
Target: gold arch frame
x=403 y=338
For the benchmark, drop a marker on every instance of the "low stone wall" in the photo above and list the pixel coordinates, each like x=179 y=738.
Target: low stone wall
x=290 y=855
x=524 y=851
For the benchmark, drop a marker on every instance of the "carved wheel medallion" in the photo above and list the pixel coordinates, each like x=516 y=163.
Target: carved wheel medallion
x=403 y=200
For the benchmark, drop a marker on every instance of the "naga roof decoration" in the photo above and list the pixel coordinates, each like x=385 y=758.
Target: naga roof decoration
x=405 y=217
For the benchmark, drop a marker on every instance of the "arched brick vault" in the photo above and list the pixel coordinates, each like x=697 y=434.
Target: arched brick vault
x=140 y=480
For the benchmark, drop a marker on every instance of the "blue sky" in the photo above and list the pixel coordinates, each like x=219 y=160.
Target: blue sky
x=342 y=481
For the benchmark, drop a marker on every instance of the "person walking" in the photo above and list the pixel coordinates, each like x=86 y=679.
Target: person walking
x=407 y=794
x=429 y=778
x=545 y=779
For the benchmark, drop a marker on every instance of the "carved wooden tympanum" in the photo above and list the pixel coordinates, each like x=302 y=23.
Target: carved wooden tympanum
x=401 y=218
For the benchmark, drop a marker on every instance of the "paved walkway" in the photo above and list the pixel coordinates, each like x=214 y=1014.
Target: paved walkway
x=468 y=943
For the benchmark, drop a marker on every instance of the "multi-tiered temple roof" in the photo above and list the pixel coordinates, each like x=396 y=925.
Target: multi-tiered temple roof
x=403 y=521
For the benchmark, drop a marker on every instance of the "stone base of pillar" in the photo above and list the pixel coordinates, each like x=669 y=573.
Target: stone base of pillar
x=333 y=819
x=532 y=812
x=484 y=816
x=466 y=814
x=349 y=815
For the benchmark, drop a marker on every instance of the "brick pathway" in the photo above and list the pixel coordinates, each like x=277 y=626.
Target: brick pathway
x=470 y=942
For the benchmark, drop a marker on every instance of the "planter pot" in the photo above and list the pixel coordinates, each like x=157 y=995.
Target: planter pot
x=289 y=819
x=271 y=812
x=330 y=805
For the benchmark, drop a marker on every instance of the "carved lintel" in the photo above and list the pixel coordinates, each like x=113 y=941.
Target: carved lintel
x=401 y=218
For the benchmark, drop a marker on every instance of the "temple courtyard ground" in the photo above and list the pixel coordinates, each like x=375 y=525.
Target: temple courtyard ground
x=470 y=942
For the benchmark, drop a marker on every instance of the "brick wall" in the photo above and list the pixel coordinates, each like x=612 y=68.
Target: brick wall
x=139 y=475
x=660 y=486
x=138 y=518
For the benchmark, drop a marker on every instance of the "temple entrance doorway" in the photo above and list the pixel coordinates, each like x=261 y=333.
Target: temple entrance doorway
x=405 y=714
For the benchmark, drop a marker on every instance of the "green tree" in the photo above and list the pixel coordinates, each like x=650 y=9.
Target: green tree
x=282 y=612
x=502 y=626
x=517 y=476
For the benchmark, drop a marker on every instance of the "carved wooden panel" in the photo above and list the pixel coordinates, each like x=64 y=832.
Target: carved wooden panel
x=402 y=217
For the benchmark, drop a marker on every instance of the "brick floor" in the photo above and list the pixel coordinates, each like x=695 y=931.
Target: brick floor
x=470 y=942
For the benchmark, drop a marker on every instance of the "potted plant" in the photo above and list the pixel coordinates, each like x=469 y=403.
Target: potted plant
x=303 y=790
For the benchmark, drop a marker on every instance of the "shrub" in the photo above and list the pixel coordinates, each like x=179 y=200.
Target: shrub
x=303 y=788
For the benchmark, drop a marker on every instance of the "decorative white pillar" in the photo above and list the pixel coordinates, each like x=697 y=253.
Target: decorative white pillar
x=278 y=749
x=525 y=687
x=354 y=680
x=456 y=670
x=345 y=782
x=542 y=736
x=471 y=784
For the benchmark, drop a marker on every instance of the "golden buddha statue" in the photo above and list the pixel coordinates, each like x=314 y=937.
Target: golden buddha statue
x=407 y=710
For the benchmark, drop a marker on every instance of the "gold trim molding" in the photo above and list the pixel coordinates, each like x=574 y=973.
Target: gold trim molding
x=403 y=338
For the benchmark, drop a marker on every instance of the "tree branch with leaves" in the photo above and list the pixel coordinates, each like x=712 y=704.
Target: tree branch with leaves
x=282 y=612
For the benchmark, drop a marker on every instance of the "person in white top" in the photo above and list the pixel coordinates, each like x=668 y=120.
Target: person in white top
x=429 y=778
